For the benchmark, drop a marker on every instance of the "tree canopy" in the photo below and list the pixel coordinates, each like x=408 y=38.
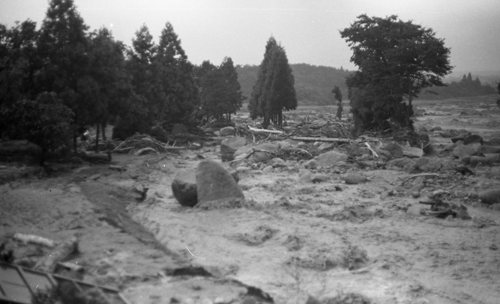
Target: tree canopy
x=220 y=91
x=396 y=60
x=274 y=89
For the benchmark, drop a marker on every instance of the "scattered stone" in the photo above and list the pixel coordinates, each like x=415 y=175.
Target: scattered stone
x=264 y=152
x=412 y=152
x=468 y=139
x=403 y=163
x=391 y=150
x=184 y=188
x=267 y=169
x=461 y=150
x=216 y=186
x=330 y=158
x=227 y=131
x=311 y=164
x=325 y=147
x=434 y=164
x=277 y=162
x=229 y=146
x=319 y=178
x=490 y=197
x=354 y=179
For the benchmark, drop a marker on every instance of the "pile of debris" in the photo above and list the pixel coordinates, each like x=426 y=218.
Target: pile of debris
x=141 y=144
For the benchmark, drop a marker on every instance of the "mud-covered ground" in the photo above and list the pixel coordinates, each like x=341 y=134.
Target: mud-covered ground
x=302 y=232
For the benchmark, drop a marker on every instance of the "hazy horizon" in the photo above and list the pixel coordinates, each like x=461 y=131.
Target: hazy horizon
x=309 y=30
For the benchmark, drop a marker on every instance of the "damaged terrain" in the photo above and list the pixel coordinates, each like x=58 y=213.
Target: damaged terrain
x=322 y=217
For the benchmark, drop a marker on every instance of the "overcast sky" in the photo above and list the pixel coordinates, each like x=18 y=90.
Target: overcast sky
x=308 y=29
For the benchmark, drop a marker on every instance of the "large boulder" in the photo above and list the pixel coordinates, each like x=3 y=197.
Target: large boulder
x=490 y=197
x=184 y=188
x=330 y=158
x=229 y=145
x=216 y=186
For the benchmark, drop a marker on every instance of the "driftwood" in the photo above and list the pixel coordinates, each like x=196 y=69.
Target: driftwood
x=371 y=149
x=322 y=139
x=266 y=131
x=62 y=251
x=34 y=239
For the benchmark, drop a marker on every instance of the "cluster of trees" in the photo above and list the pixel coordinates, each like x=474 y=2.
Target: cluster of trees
x=274 y=89
x=60 y=78
x=220 y=91
x=463 y=88
x=396 y=60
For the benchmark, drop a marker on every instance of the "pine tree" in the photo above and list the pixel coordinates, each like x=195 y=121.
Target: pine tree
x=176 y=94
x=64 y=47
x=274 y=89
x=233 y=97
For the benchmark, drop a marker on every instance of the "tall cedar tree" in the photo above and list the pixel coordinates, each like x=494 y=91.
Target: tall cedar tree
x=274 y=89
x=396 y=59
x=138 y=114
x=107 y=68
x=175 y=93
x=64 y=47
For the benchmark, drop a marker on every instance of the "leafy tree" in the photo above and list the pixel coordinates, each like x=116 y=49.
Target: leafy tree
x=19 y=62
x=338 y=96
x=274 y=90
x=396 y=59
x=45 y=121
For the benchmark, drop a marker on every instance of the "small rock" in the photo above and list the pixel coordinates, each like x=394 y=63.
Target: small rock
x=323 y=147
x=311 y=164
x=230 y=145
x=330 y=158
x=412 y=152
x=215 y=185
x=392 y=150
x=490 y=197
x=267 y=169
x=184 y=188
x=277 y=162
x=227 y=131
x=319 y=178
x=461 y=150
x=354 y=179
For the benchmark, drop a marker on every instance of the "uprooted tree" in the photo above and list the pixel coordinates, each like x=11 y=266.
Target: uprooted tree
x=274 y=89
x=396 y=60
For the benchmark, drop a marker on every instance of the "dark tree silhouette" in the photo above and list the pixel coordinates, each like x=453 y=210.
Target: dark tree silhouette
x=274 y=89
x=396 y=59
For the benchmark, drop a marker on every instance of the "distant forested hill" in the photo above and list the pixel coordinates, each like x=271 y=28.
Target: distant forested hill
x=313 y=84
x=464 y=88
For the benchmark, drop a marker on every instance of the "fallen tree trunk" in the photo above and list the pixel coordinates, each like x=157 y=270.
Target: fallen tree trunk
x=34 y=239
x=255 y=130
x=62 y=251
x=322 y=139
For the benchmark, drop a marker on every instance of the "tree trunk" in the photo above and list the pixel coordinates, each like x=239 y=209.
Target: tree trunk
x=75 y=136
x=103 y=130
x=97 y=130
x=280 y=119
x=265 y=124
